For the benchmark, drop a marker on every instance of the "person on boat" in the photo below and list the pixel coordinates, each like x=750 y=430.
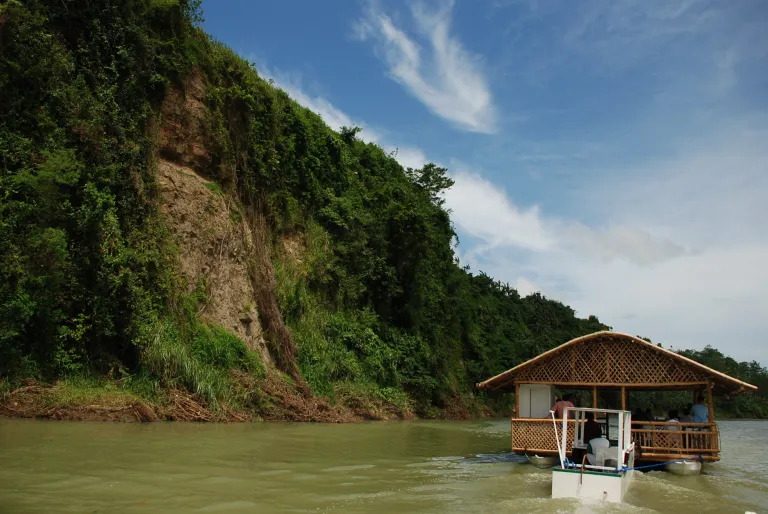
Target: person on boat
x=561 y=405
x=672 y=417
x=676 y=441
x=699 y=411
x=687 y=416
x=592 y=429
x=592 y=448
x=649 y=414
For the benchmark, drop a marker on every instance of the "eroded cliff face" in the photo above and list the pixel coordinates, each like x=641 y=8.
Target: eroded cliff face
x=224 y=250
x=213 y=239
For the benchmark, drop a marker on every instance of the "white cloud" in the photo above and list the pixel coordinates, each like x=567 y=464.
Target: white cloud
x=484 y=211
x=526 y=287
x=410 y=157
x=682 y=261
x=407 y=156
x=449 y=81
x=618 y=242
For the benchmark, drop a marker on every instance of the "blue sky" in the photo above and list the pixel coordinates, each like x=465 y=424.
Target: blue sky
x=611 y=154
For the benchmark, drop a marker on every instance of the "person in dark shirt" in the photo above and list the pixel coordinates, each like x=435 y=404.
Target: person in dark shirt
x=591 y=428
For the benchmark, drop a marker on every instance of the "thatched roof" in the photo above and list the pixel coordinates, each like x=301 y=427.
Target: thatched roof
x=613 y=359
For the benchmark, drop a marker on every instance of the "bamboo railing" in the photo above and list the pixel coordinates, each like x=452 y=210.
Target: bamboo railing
x=681 y=439
x=656 y=440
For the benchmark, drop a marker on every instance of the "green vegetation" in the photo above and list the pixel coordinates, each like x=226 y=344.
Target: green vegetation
x=365 y=274
x=750 y=405
x=214 y=188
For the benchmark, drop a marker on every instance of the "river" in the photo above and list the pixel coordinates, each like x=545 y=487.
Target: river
x=400 y=467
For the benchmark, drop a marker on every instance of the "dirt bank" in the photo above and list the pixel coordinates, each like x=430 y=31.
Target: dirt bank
x=277 y=400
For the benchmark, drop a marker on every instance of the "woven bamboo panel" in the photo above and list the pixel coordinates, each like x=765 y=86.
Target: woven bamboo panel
x=667 y=440
x=678 y=439
x=608 y=360
x=539 y=435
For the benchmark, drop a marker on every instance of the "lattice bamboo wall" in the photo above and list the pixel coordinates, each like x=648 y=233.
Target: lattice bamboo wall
x=539 y=435
x=609 y=360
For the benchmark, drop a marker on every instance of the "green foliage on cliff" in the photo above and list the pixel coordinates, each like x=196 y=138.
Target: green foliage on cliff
x=750 y=405
x=377 y=296
x=82 y=264
x=376 y=300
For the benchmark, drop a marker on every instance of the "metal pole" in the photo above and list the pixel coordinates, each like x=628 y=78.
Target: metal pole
x=557 y=439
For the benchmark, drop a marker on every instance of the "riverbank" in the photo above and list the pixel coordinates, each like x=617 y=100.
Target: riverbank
x=121 y=401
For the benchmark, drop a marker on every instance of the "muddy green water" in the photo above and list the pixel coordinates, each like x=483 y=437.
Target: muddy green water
x=378 y=467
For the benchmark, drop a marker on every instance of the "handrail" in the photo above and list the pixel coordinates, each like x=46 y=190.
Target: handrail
x=641 y=431
x=681 y=423
x=634 y=422
x=539 y=420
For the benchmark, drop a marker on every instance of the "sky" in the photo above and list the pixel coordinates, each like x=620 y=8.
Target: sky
x=610 y=154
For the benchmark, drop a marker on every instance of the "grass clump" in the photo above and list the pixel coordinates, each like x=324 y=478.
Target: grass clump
x=83 y=391
x=214 y=188
x=202 y=361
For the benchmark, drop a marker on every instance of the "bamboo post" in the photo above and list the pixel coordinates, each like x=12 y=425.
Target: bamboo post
x=594 y=397
x=517 y=400
x=711 y=402
x=623 y=398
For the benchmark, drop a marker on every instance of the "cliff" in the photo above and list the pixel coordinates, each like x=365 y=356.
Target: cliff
x=187 y=242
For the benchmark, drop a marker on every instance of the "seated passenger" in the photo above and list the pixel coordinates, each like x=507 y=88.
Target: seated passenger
x=672 y=418
x=687 y=416
x=592 y=429
x=675 y=440
x=699 y=411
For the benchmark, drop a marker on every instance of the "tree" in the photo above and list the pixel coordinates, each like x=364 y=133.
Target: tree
x=433 y=180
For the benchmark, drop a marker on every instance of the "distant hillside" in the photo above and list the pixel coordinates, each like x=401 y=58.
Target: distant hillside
x=184 y=241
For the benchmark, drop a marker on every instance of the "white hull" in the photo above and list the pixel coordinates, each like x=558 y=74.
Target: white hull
x=690 y=467
x=570 y=483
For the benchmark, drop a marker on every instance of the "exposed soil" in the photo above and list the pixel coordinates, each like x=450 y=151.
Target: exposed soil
x=222 y=247
x=213 y=242
x=214 y=248
x=182 y=137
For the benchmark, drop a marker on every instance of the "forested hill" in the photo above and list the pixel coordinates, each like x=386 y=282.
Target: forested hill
x=180 y=235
